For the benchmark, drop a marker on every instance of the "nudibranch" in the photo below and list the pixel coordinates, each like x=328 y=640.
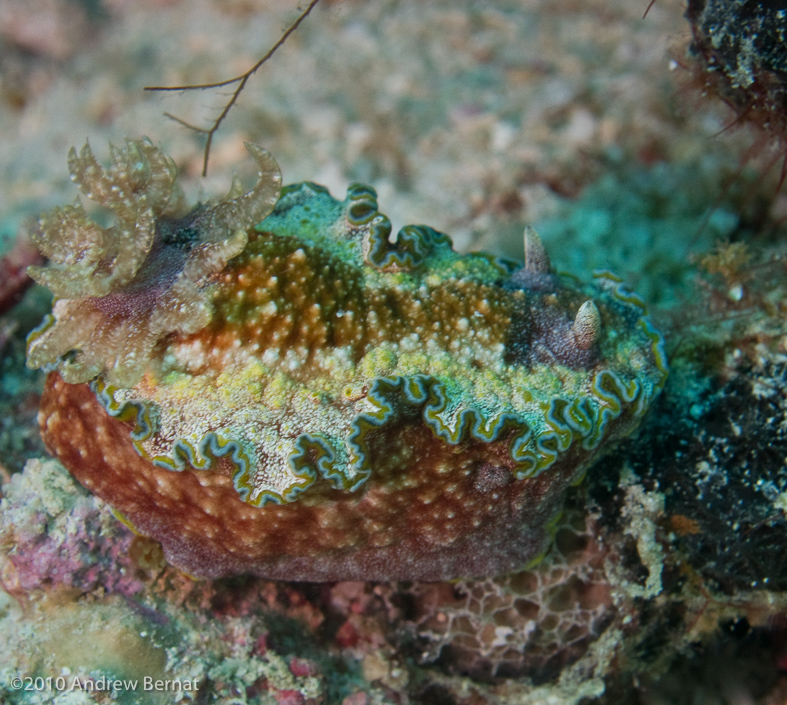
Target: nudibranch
x=271 y=384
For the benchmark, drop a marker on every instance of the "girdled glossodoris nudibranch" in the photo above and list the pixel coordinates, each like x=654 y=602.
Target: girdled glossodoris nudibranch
x=275 y=387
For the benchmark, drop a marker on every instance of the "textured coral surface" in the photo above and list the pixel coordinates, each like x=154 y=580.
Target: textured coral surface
x=383 y=408
x=533 y=622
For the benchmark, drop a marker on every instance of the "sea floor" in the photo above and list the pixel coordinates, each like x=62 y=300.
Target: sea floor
x=477 y=117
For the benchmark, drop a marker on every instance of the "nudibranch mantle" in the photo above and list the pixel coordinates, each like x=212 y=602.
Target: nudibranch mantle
x=349 y=405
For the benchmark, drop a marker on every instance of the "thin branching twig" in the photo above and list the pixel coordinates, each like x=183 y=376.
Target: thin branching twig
x=647 y=10
x=240 y=80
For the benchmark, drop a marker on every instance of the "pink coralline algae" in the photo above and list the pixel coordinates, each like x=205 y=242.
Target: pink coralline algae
x=279 y=387
x=53 y=533
x=13 y=276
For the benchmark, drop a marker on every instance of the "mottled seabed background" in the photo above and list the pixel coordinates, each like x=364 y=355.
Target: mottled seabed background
x=581 y=118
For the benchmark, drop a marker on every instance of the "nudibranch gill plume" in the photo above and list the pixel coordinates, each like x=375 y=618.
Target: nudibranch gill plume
x=271 y=384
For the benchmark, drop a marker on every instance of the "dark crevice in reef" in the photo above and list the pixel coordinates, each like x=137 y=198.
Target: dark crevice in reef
x=719 y=460
x=737 y=659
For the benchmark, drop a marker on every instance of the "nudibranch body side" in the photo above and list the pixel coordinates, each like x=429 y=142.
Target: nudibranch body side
x=342 y=405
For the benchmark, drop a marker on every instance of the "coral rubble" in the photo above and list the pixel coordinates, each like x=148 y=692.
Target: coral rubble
x=108 y=620
x=341 y=405
x=54 y=534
